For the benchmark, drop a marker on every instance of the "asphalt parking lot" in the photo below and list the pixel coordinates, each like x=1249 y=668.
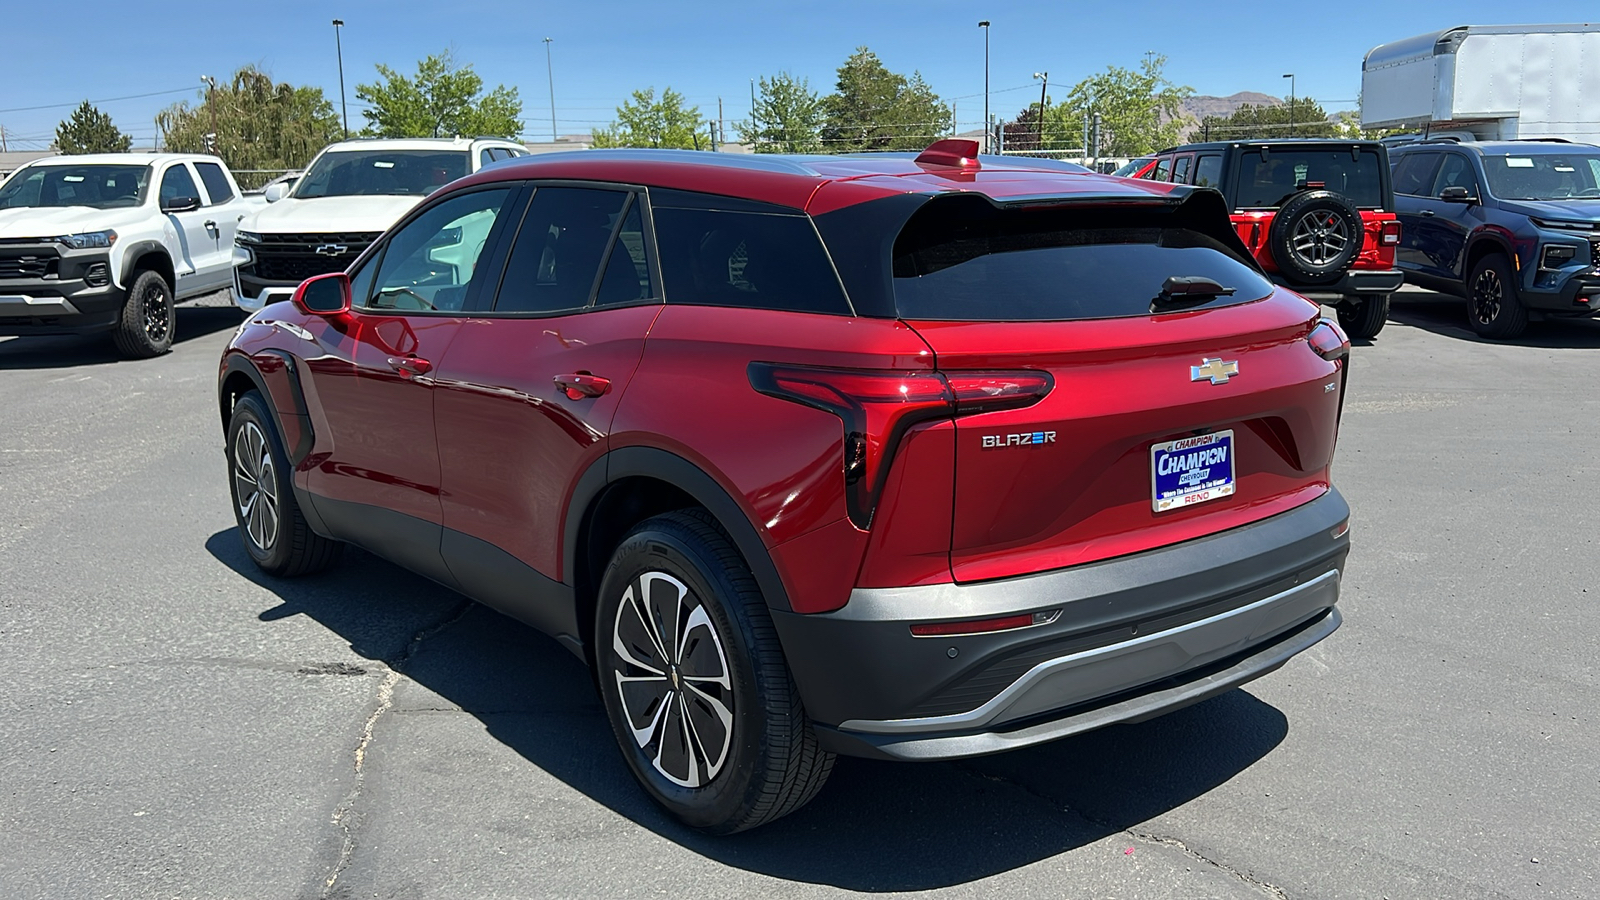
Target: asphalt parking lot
x=176 y=725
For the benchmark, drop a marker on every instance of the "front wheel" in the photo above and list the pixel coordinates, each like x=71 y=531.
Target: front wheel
x=1363 y=317
x=274 y=531
x=145 y=324
x=1493 y=308
x=695 y=683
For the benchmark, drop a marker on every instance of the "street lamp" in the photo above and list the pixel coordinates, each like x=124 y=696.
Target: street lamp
x=338 y=47
x=986 y=136
x=211 y=107
x=1044 y=83
x=1290 y=76
x=550 y=72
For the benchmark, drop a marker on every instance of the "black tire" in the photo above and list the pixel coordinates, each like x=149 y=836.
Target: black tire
x=146 y=322
x=1493 y=308
x=1315 y=236
x=1363 y=317
x=273 y=529
x=743 y=766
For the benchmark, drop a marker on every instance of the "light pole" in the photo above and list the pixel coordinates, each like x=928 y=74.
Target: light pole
x=338 y=47
x=1044 y=83
x=986 y=136
x=211 y=107
x=550 y=72
x=1290 y=76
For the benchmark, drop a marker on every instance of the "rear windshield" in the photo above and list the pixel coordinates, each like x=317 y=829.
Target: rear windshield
x=1267 y=179
x=966 y=261
x=378 y=172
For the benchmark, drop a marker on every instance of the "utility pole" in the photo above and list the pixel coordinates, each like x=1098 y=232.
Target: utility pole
x=1044 y=84
x=338 y=47
x=211 y=107
x=3 y=140
x=986 y=123
x=722 y=125
x=550 y=72
x=1290 y=76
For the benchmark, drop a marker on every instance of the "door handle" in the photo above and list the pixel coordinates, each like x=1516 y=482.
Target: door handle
x=582 y=384
x=211 y=224
x=1427 y=212
x=410 y=366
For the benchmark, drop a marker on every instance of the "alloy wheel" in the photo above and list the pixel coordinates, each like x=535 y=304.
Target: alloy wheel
x=153 y=306
x=1319 y=237
x=1487 y=295
x=673 y=679
x=255 y=486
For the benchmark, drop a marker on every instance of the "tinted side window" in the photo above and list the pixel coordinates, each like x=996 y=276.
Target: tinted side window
x=1208 y=171
x=216 y=182
x=1180 y=169
x=559 y=249
x=1163 y=169
x=178 y=183
x=1413 y=174
x=627 y=275
x=755 y=260
x=429 y=264
x=1455 y=171
x=485 y=157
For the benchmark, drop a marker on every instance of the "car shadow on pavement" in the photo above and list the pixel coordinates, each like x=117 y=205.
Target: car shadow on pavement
x=63 y=351
x=1446 y=316
x=875 y=827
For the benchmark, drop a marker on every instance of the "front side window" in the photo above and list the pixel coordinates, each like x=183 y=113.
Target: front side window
x=559 y=249
x=98 y=187
x=429 y=264
x=1163 y=169
x=1544 y=176
x=216 y=182
x=347 y=173
x=178 y=184
x=1180 y=169
x=757 y=260
x=1268 y=177
x=1456 y=171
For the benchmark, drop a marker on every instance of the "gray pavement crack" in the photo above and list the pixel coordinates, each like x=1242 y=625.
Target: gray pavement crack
x=346 y=816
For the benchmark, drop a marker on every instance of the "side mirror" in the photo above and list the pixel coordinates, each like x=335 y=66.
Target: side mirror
x=275 y=192
x=180 y=204
x=1457 y=194
x=324 y=295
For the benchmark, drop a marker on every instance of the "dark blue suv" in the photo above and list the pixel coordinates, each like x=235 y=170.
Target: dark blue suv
x=1513 y=226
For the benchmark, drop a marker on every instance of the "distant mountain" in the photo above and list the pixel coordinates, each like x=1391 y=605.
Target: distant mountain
x=1200 y=107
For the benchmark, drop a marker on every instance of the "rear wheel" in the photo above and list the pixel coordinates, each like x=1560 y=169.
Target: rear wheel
x=695 y=683
x=274 y=531
x=1493 y=308
x=145 y=325
x=1364 y=317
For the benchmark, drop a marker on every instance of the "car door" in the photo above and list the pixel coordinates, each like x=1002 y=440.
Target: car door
x=224 y=210
x=530 y=386
x=1443 y=226
x=183 y=205
x=375 y=470
x=1413 y=177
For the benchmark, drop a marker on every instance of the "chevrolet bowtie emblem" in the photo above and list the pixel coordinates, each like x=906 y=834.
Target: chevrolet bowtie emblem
x=1217 y=370
x=332 y=249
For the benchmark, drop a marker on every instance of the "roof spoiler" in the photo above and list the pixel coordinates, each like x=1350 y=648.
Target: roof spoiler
x=958 y=153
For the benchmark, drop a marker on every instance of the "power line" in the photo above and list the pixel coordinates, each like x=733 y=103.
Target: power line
x=106 y=100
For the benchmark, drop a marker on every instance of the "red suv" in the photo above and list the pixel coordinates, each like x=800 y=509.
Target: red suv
x=907 y=458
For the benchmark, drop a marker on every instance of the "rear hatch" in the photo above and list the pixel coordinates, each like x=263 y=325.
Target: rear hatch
x=1171 y=415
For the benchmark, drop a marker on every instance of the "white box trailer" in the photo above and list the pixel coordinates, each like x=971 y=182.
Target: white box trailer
x=1496 y=82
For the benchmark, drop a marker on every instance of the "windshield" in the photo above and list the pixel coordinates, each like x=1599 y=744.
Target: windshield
x=1544 y=176
x=1267 y=178
x=378 y=172
x=95 y=186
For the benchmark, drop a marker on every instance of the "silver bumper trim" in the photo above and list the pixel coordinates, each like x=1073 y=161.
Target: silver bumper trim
x=27 y=305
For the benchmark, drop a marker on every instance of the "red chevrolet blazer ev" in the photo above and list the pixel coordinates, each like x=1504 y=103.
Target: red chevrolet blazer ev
x=907 y=457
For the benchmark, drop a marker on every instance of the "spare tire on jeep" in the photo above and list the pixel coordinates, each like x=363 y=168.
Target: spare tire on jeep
x=1315 y=236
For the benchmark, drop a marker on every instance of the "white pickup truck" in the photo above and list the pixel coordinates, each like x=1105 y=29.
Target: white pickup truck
x=110 y=242
x=349 y=195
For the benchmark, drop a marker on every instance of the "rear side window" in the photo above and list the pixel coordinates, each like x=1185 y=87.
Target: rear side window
x=1163 y=169
x=1180 y=169
x=747 y=259
x=1267 y=178
x=216 y=182
x=1413 y=174
x=966 y=261
x=1208 y=171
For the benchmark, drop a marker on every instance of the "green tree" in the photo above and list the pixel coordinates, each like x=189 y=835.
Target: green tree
x=1305 y=118
x=88 y=130
x=647 y=122
x=873 y=108
x=443 y=100
x=1140 y=110
x=260 y=124
x=787 y=117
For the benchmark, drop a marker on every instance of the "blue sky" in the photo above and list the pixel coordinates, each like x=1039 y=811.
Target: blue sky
x=603 y=49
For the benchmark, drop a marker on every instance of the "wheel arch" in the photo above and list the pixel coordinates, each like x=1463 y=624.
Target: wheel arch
x=241 y=374
x=147 y=256
x=1482 y=244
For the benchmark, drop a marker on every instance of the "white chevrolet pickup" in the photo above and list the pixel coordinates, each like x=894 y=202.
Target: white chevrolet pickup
x=110 y=242
x=350 y=194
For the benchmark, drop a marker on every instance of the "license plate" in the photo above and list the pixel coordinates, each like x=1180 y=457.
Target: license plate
x=1190 y=471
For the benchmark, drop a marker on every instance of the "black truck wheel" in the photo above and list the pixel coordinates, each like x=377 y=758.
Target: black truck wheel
x=1315 y=236
x=144 y=328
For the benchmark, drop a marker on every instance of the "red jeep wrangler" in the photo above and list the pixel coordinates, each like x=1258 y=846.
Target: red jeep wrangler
x=1318 y=214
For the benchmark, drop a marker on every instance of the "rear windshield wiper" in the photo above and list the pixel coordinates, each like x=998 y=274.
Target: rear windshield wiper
x=1180 y=291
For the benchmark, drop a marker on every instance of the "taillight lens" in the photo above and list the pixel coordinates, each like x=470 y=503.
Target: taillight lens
x=1329 y=341
x=1390 y=236
x=877 y=407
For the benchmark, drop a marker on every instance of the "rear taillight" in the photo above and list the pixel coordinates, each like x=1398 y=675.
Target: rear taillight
x=1329 y=341
x=1390 y=236
x=877 y=407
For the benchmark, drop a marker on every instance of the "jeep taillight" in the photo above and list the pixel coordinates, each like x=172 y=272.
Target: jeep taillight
x=1390 y=236
x=877 y=407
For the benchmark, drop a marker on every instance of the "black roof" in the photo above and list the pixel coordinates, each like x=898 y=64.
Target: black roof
x=1272 y=142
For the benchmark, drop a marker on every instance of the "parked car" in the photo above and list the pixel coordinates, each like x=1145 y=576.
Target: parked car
x=320 y=221
x=109 y=242
x=1133 y=167
x=1512 y=226
x=899 y=457
x=1318 y=215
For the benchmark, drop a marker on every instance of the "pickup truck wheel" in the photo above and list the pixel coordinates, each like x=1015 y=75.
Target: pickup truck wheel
x=695 y=682
x=1315 y=236
x=1493 y=308
x=144 y=328
x=273 y=529
x=1363 y=317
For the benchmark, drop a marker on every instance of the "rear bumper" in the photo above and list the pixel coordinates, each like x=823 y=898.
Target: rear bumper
x=1134 y=637
x=1353 y=283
